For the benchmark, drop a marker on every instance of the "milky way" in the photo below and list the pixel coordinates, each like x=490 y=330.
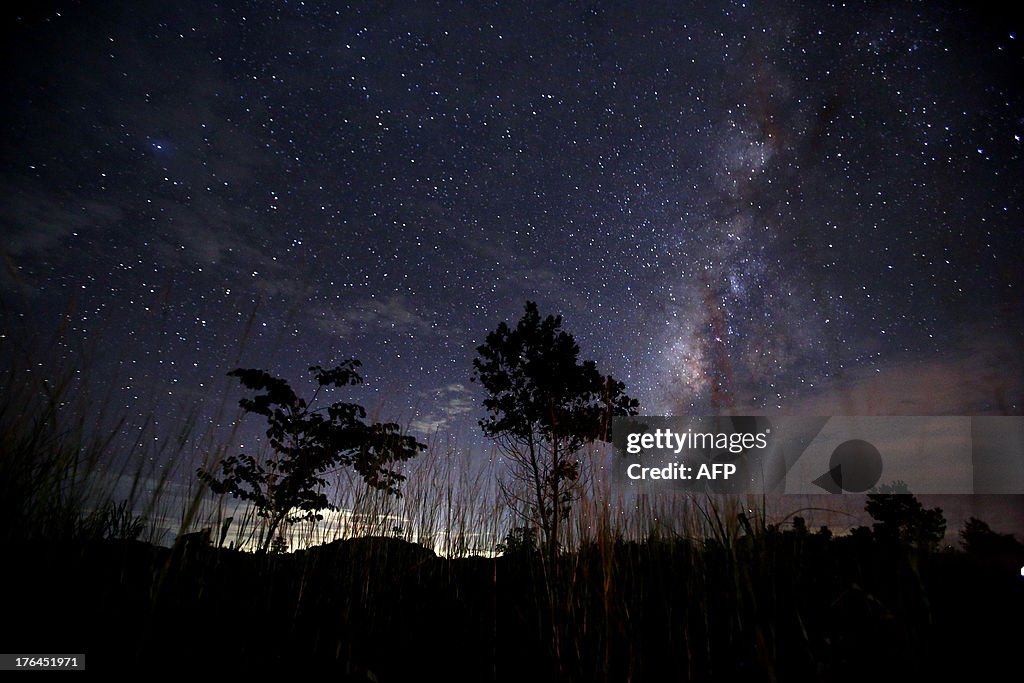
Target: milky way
x=733 y=207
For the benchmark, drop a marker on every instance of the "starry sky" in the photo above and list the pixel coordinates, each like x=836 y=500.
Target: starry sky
x=802 y=208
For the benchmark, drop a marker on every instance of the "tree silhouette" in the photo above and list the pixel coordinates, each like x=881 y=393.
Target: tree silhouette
x=543 y=406
x=308 y=442
x=519 y=542
x=900 y=517
x=978 y=538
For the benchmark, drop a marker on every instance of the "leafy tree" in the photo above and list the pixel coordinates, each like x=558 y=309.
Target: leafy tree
x=799 y=526
x=900 y=517
x=519 y=542
x=978 y=538
x=543 y=406
x=307 y=442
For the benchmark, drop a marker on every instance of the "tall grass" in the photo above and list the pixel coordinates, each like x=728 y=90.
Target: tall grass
x=704 y=586
x=71 y=462
x=53 y=441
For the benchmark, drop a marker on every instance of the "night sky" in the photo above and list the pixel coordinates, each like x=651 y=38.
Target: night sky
x=801 y=208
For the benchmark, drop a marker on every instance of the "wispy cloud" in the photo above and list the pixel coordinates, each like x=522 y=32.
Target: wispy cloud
x=453 y=400
x=519 y=273
x=34 y=221
x=372 y=316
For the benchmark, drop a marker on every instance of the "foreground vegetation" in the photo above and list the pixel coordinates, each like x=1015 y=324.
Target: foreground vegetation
x=769 y=606
x=397 y=589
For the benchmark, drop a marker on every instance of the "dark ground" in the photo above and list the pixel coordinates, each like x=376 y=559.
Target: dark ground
x=775 y=607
